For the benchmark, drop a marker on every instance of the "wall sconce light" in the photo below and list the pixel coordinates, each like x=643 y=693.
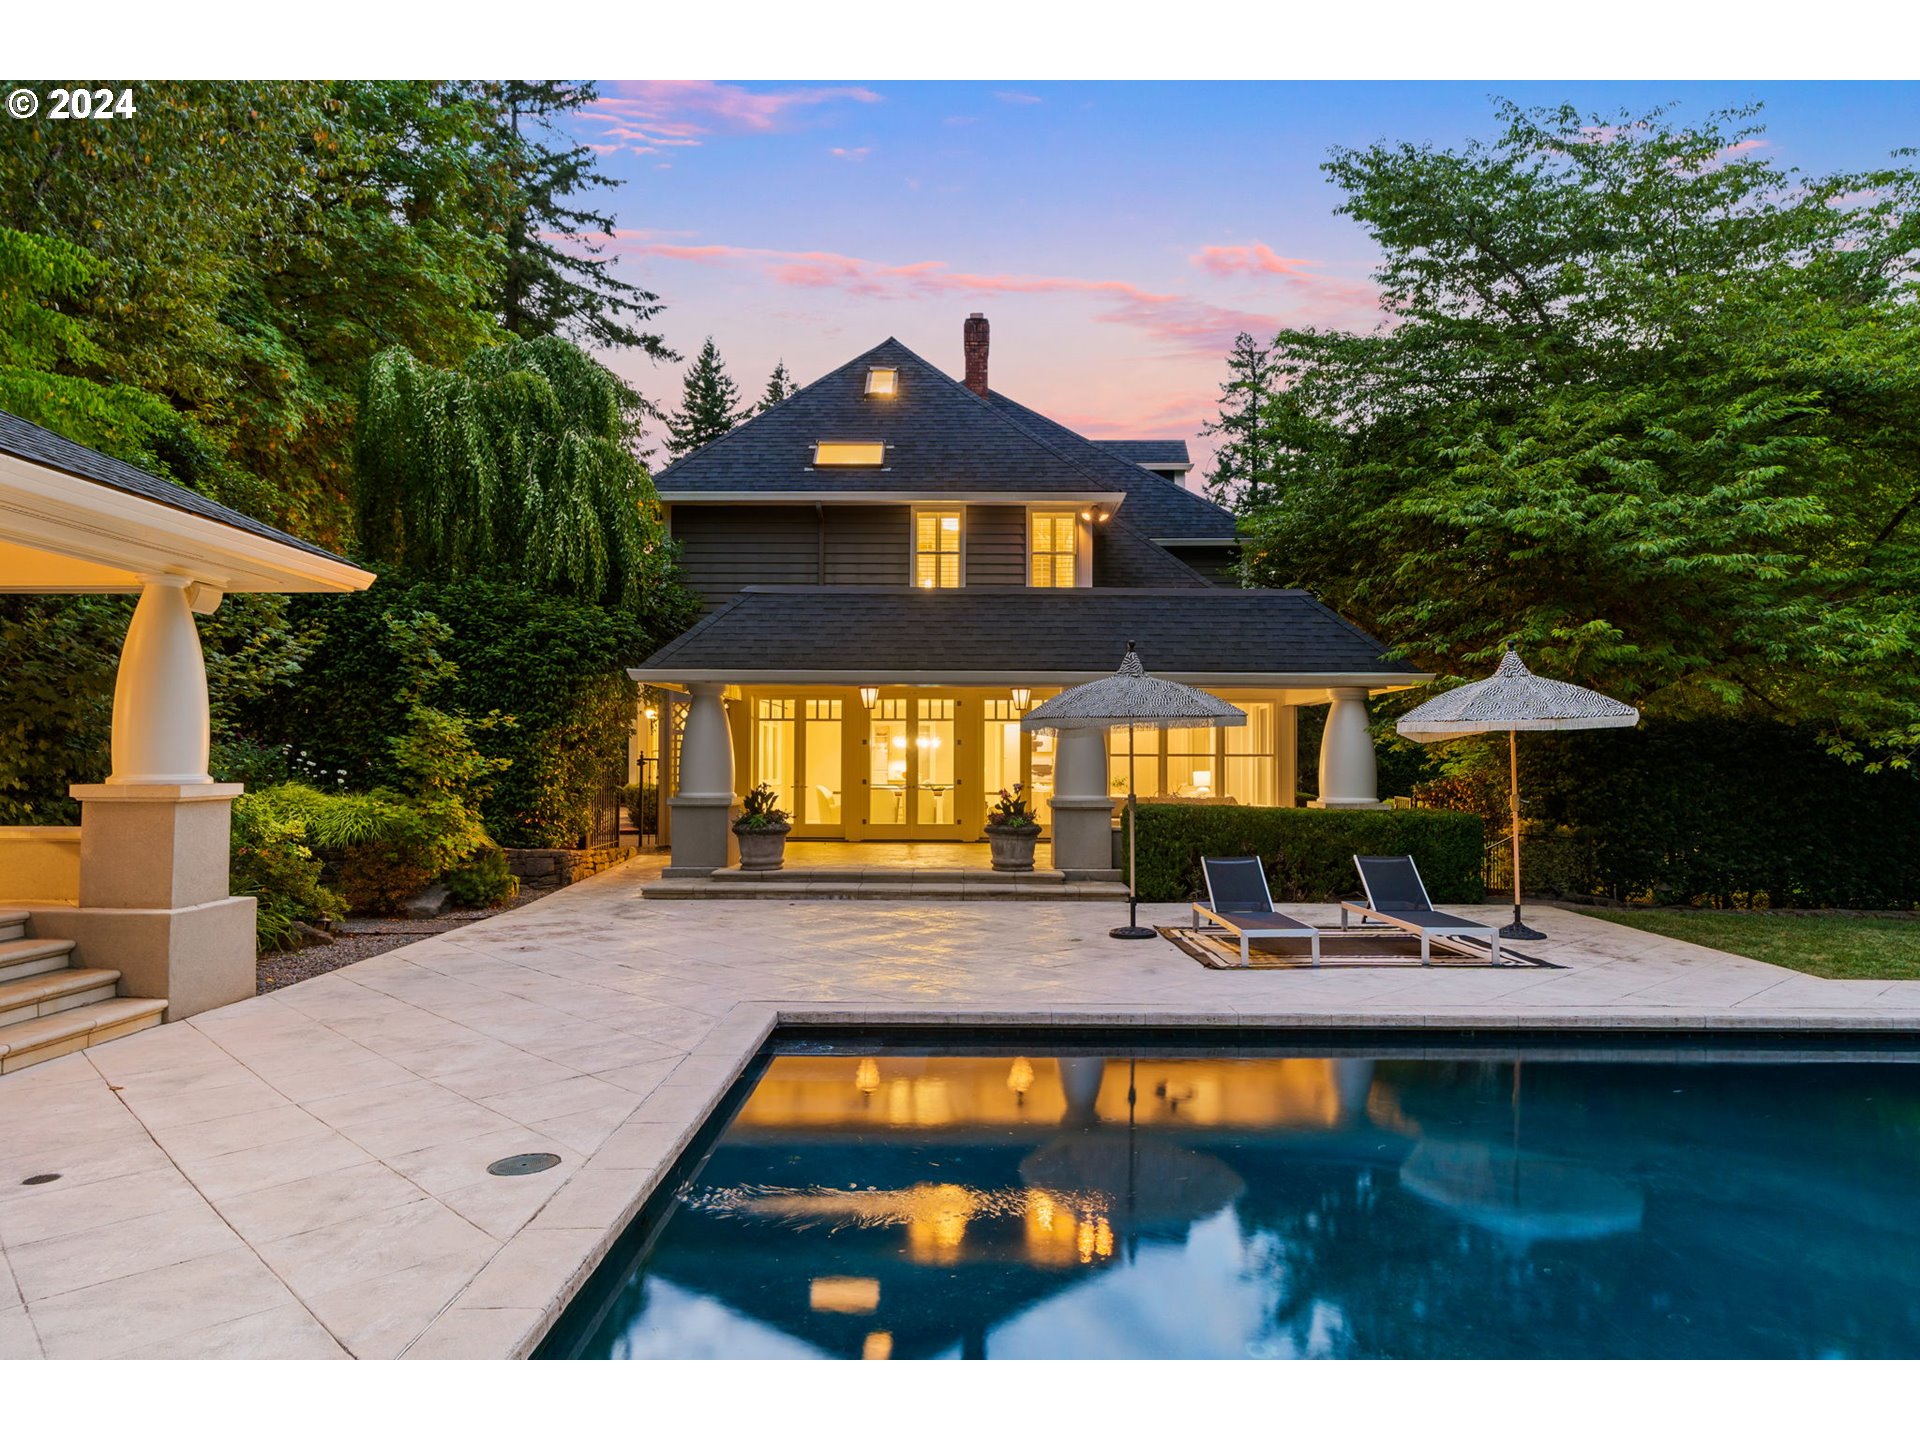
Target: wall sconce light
x=1021 y=696
x=652 y=714
x=1020 y=1079
x=869 y=695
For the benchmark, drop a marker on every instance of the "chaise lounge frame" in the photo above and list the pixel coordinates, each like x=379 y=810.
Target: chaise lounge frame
x=1251 y=915
x=1408 y=907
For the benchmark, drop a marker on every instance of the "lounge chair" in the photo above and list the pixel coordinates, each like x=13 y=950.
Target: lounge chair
x=1239 y=902
x=1396 y=896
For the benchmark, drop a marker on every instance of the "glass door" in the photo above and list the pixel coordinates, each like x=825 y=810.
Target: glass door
x=913 y=766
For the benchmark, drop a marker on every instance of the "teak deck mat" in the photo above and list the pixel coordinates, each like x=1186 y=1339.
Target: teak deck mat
x=1345 y=950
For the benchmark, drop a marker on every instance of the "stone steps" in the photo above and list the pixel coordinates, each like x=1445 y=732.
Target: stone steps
x=31 y=1041
x=898 y=884
x=51 y=1007
x=22 y=957
x=53 y=991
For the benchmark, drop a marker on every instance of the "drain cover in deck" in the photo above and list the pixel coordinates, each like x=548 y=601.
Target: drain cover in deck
x=531 y=1164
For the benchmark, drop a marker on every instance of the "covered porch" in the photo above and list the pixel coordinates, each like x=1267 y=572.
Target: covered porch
x=135 y=898
x=893 y=718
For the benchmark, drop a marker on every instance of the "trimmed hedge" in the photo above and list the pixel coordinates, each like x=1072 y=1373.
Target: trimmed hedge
x=1309 y=853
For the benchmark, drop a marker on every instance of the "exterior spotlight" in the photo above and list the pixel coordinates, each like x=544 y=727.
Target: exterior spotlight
x=869 y=694
x=1086 y=514
x=1021 y=696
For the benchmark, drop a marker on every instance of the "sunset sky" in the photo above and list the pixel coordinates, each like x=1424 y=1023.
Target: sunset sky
x=1116 y=235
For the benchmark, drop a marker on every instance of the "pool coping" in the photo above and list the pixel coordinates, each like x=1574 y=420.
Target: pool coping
x=559 y=1249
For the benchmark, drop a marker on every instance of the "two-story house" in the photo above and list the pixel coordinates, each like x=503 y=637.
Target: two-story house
x=896 y=564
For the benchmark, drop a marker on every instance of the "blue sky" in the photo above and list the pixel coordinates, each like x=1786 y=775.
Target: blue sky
x=1116 y=234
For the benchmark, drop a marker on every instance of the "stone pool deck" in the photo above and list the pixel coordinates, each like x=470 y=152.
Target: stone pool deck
x=304 y=1174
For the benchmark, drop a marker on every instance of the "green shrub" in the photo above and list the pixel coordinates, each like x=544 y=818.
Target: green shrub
x=642 y=804
x=272 y=862
x=1309 y=853
x=482 y=879
x=556 y=666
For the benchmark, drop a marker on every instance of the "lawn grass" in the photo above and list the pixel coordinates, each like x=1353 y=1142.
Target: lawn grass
x=1835 y=947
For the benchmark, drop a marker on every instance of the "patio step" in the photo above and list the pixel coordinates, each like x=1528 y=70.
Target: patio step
x=53 y=991
x=900 y=885
x=28 y=1042
x=889 y=875
x=22 y=957
x=50 y=1006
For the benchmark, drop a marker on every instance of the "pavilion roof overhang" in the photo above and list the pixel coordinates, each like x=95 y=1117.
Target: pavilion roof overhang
x=64 y=533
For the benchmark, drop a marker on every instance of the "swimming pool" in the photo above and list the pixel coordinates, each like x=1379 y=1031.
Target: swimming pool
x=1334 y=1201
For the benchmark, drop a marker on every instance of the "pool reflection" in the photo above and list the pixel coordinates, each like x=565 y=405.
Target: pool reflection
x=911 y=1206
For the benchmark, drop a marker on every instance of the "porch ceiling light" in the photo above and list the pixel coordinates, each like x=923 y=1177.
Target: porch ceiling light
x=883 y=380
x=1021 y=697
x=869 y=695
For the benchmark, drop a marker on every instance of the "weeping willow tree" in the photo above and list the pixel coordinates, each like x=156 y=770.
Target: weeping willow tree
x=518 y=464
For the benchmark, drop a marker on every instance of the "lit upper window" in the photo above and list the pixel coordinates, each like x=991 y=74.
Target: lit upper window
x=883 y=380
x=1053 y=548
x=936 y=549
x=849 y=452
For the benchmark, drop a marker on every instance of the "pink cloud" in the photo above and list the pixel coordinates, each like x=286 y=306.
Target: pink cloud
x=1185 y=323
x=857 y=152
x=1319 y=293
x=643 y=115
x=1017 y=97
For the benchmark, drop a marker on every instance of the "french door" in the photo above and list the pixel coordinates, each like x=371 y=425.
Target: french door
x=914 y=769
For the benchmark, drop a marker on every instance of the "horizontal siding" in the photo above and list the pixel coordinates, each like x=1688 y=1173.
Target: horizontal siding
x=868 y=544
x=723 y=547
x=996 y=545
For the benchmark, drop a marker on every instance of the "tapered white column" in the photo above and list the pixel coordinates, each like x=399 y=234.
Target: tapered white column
x=1082 y=807
x=1349 y=779
x=154 y=839
x=160 y=725
x=703 y=839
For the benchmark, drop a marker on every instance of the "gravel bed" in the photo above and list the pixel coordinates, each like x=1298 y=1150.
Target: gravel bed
x=361 y=937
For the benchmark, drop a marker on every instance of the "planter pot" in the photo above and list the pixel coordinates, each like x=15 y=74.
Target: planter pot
x=1013 y=848
x=762 y=849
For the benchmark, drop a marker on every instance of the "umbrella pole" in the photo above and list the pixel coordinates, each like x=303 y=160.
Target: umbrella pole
x=1133 y=929
x=1518 y=930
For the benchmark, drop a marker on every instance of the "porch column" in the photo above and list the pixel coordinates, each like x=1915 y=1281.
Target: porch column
x=1082 y=807
x=153 y=900
x=1348 y=780
x=703 y=840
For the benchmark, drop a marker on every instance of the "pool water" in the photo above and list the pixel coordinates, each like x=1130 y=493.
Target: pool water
x=1276 y=1206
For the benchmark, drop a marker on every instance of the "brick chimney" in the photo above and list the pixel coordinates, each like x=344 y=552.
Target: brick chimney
x=973 y=338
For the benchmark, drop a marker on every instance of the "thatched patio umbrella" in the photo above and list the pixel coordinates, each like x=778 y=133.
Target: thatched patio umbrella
x=1513 y=699
x=1132 y=697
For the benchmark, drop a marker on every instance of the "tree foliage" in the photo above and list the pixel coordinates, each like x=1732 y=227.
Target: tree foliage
x=557 y=280
x=518 y=462
x=779 y=386
x=709 y=404
x=1243 y=465
x=1647 y=402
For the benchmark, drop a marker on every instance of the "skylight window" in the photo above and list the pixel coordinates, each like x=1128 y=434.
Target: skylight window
x=849 y=452
x=883 y=380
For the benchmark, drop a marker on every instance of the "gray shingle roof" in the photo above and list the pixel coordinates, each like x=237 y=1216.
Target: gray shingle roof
x=1149 y=452
x=1067 y=632
x=26 y=441
x=940 y=437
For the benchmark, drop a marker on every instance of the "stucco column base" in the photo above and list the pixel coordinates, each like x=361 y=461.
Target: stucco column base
x=195 y=957
x=153 y=895
x=1083 y=838
x=1348 y=777
x=703 y=838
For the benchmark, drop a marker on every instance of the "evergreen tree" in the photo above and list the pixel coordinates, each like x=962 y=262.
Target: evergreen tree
x=709 y=404
x=557 y=281
x=779 y=386
x=1243 y=466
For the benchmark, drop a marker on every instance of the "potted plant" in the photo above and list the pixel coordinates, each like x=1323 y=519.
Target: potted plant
x=762 y=828
x=1013 y=830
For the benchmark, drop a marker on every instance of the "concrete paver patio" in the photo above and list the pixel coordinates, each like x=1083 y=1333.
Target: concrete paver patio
x=304 y=1174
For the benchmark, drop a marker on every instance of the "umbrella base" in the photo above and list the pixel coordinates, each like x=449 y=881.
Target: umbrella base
x=1519 y=931
x=1132 y=932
